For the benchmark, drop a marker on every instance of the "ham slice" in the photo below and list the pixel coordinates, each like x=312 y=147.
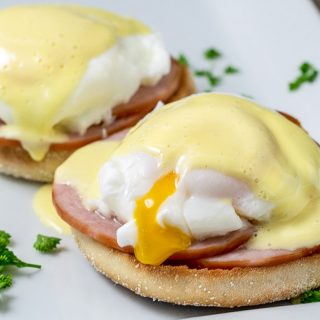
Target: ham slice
x=291 y=118
x=243 y=257
x=71 y=209
x=147 y=97
x=224 y=252
x=103 y=230
x=216 y=245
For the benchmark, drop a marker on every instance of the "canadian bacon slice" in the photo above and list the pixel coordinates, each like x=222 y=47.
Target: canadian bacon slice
x=243 y=257
x=145 y=99
x=71 y=209
x=216 y=245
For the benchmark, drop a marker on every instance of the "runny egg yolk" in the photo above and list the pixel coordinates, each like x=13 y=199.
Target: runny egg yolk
x=155 y=243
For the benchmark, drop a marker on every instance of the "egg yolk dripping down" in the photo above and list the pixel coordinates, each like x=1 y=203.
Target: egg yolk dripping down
x=154 y=242
x=44 y=53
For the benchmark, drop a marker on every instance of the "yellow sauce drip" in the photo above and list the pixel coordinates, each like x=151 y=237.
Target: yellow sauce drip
x=45 y=210
x=155 y=243
x=44 y=52
x=81 y=169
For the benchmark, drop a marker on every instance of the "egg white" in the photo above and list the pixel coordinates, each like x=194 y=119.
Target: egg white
x=206 y=203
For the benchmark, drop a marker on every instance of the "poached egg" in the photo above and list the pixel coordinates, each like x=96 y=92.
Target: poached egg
x=201 y=167
x=64 y=67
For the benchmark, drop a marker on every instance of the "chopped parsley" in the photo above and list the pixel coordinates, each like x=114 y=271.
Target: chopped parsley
x=231 y=70
x=5 y=281
x=308 y=74
x=182 y=59
x=4 y=239
x=212 y=78
x=211 y=54
x=46 y=244
x=308 y=296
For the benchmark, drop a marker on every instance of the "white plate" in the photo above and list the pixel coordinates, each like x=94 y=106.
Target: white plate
x=267 y=40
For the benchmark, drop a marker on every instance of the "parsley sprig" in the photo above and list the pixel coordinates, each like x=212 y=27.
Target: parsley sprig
x=8 y=258
x=211 y=54
x=231 y=70
x=212 y=79
x=5 y=281
x=308 y=74
x=4 y=239
x=308 y=296
x=182 y=59
x=46 y=244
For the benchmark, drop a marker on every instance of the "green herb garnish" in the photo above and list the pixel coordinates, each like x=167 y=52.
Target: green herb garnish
x=46 y=244
x=182 y=59
x=208 y=73
x=211 y=78
x=5 y=281
x=308 y=296
x=231 y=70
x=211 y=54
x=308 y=73
x=4 y=239
x=8 y=258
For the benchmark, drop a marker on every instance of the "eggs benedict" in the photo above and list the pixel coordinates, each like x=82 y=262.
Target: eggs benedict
x=70 y=75
x=211 y=200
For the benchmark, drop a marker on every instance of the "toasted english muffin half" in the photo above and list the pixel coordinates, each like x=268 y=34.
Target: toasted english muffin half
x=183 y=285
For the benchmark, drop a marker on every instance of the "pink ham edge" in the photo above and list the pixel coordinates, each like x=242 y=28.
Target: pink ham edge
x=217 y=245
x=102 y=229
x=243 y=257
x=70 y=208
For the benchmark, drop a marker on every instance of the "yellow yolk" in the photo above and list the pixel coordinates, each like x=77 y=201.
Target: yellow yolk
x=155 y=243
x=44 y=52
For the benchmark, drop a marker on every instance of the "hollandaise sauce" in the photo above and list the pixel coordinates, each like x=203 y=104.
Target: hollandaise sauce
x=45 y=210
x=44 y=52
x=81 y=170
